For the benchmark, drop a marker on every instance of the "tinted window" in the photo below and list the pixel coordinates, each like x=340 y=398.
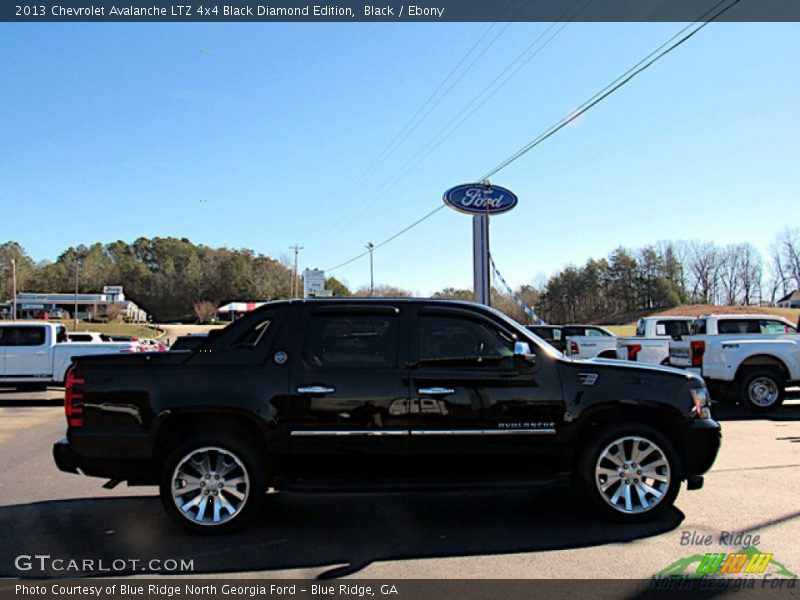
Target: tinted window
x=22 y=336
x=737 y=326
x=352 y=341
x=673 y=328
x=462 y=342
x=699 y=327
x=79 y=337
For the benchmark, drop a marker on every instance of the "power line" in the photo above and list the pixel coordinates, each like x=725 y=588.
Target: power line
x=432 y=144
x=622 y=80
x=413 y=123
x=615 y=85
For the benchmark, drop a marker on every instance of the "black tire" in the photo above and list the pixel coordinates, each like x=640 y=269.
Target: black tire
x=590 y=483
x=607 y=355
x=224 y=451
x=762 y=390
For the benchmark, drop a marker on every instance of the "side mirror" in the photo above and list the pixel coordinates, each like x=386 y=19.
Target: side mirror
x=522 y=351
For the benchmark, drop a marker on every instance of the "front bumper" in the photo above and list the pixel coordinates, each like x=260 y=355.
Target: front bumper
x=703 y=442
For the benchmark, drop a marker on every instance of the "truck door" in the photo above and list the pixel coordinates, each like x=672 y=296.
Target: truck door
x=349 y=387
x=475 y=406
x=27 y=353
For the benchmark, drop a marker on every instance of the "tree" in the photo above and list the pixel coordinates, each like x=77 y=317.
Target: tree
x=205 y=311
x=454 y=294
x=339 y=289
x=114 y=312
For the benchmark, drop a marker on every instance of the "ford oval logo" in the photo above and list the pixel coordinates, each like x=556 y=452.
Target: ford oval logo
x=480 y=199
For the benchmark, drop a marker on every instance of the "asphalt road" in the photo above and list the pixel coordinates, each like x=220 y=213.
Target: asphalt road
x=753 y=488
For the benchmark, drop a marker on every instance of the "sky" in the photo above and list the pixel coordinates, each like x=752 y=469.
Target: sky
x=264 y=136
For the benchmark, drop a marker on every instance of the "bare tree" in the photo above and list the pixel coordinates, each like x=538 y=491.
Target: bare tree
x=205 y=311
x=786 y=259
x=703 y=264
x=114 y=312
x=750 y=274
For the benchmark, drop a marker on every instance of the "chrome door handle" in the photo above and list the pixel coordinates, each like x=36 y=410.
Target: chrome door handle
x=436 y=391
x=315 y=389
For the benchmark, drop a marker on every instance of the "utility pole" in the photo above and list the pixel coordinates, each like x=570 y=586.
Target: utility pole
x=296 y=250
x=75 y=312
x=14 y=287
x=370 y=247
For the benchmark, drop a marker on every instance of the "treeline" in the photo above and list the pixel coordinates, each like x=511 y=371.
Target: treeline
x=173 y=278
x=671 y=273
x=165 y=276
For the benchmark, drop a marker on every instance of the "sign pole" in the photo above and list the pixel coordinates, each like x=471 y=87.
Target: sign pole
x=480 y=200
x=480 y=259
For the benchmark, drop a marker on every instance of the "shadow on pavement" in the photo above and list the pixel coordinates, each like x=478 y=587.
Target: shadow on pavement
x=339 y=533
x=11 y=397
x=725 y=411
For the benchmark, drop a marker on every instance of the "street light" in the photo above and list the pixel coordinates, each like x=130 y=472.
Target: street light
x=14 y=287
x=75 y=312
x=370 y=247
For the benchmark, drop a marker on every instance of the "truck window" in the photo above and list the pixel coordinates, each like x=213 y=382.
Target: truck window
x=699 y=327
x=22 y=336
x=640 y=328
x=79 y=337
x=673 y=328
x=61 y=334
x=770 y=327
x=457 y=341
x=252 y=336
x=361 y=341
x=738 y=326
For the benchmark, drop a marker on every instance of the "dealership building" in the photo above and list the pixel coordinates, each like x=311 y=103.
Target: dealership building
x=34 y=305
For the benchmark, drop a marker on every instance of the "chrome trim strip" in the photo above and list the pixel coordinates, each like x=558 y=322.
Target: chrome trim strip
x=547 y=431
x=347 y=432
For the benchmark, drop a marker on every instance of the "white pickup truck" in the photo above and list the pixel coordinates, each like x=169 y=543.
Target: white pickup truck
x=33 y=355
x=589 y=341
x=749 y=358
x=651 y=342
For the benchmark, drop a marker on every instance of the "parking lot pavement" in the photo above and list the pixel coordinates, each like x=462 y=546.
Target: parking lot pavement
x=752 y=489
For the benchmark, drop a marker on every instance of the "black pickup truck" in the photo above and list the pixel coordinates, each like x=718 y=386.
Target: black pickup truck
x=382 y=394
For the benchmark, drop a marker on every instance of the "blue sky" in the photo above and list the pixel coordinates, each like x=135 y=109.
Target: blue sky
x=253 y=135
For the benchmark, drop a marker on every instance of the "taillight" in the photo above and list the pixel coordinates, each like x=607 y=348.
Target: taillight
x=698 y=349
x=74 y=413
x=633 y=351
x=574 y=348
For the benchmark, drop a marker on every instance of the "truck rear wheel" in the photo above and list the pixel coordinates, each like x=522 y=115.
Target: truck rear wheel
x=762 y=390
x=630 y=472
x=212 y=484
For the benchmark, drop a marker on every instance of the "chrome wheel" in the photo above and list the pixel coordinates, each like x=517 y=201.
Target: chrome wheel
x=763 y=392
x=632 y=474
x=210 y=486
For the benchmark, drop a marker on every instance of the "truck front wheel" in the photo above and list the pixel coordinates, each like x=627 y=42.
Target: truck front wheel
x=630 y=472
x=212 y=484
x=762 y=390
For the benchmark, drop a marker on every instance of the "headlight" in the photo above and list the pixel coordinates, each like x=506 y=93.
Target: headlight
x=702 y=405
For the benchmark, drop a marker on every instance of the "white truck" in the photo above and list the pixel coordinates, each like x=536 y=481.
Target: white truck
x=34 y=355
x=651 y=342
x=749 y=358
x=589 y=341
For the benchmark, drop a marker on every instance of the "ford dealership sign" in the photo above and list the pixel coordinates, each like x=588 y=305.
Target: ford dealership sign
x=480 y=199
